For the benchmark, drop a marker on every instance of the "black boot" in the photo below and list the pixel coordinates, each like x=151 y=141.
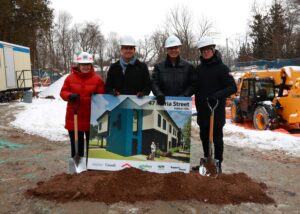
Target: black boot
x=219 y=167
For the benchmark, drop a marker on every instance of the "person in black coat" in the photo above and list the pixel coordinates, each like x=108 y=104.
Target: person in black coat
x=213 y=83
x=174 y=75
x=128 y=76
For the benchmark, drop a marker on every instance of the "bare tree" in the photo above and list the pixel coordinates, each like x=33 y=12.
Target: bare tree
x=63 y=36
x=112 y=47
x=89 y=36
x=100 y=51
x=158 y=39
x=292 y=10
x=146 y=50
x=205 y=28
x=179 y=22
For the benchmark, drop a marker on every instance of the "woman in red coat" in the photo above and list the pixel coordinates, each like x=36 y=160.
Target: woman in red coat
x=77 y=90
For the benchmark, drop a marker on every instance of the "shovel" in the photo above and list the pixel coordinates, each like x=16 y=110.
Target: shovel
x=208 y=166
x=77 y=164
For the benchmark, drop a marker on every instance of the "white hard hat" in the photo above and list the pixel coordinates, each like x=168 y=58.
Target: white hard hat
x=172 y=41
x=127 y=41
x=205 y=41
x=84 y=58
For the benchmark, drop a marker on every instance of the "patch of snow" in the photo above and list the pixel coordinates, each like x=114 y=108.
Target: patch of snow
x=261 y=140
x=54 y=89
x=43 y=117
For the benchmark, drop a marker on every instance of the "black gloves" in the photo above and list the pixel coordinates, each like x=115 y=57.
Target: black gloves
x=160 y=99
x=212 y=98
x=115 y=93
x=73 y=97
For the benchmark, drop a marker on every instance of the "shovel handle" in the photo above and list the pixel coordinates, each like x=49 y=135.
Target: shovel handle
x=211 y=127
x=75 y=105
x=76 y=132
x=212 y=108
x=211 y=119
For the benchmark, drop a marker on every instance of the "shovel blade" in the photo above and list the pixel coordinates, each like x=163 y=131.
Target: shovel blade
x=77 y=166
x=208 y=168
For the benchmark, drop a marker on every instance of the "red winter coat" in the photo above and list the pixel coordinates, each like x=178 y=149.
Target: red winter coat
x=84 y=84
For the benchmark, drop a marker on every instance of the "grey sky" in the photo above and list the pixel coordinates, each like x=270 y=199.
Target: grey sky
x=142 y=17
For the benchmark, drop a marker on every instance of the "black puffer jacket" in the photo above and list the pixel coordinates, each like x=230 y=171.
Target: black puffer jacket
x=136 y=79
x=213 y=79
x=172 y=80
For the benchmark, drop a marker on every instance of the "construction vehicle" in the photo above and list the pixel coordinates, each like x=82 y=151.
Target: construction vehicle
x=268 y=98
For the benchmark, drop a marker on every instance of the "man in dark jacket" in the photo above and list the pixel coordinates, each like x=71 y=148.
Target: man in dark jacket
x=214 y=83
x=128 y=75
x=174 y=75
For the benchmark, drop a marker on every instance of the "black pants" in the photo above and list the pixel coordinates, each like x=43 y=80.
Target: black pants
x=80 y=142
x=217 y=139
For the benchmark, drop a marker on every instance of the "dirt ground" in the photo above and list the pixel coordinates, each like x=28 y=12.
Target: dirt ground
x=40 y=160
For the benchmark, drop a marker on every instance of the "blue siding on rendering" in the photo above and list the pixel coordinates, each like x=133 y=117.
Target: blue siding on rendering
x=122 y=139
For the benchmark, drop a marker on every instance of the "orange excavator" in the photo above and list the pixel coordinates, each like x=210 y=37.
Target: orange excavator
x=268 y=98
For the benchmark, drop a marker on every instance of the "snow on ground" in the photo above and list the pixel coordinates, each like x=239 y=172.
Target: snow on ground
x=261 y=140
x=54 y=89
x=46 y=118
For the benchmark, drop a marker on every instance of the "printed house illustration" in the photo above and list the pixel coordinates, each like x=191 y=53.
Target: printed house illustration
x=130 y=129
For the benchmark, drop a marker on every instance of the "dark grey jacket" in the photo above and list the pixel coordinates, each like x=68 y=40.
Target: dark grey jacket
x=169 y=80
x=213 y=80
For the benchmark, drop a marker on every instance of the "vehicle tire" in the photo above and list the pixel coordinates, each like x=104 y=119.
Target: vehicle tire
x=261 y=118
x=236 y=113
x=265 y=118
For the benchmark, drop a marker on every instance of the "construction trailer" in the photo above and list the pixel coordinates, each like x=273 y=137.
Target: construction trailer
x=15 y=69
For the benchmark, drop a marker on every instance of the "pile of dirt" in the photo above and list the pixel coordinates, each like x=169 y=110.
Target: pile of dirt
x=131 y=185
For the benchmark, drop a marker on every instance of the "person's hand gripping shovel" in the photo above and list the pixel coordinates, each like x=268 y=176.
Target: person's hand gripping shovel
x=208 y=166
x=77 y=164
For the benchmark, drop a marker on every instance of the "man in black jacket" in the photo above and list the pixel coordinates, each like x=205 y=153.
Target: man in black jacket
x=128 y=75
x=174 y=75
x=214 y=83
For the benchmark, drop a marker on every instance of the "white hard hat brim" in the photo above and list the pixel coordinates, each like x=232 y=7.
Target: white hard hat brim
x=85 y=62
x=175 y=45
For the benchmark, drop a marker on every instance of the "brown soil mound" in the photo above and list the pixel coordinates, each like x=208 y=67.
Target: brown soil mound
x=131 y=185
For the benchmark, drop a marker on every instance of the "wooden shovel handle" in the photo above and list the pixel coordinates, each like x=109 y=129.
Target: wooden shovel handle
x=76 y=128
x=211 y=128
x=75 y=105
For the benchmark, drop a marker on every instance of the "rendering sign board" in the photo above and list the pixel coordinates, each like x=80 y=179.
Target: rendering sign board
x=127 y=131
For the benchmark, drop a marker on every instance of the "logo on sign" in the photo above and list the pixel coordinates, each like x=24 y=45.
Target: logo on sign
x=160 y=167
x=144 y=167
x=126 y=165
x=110 y=165
x=177 y=168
